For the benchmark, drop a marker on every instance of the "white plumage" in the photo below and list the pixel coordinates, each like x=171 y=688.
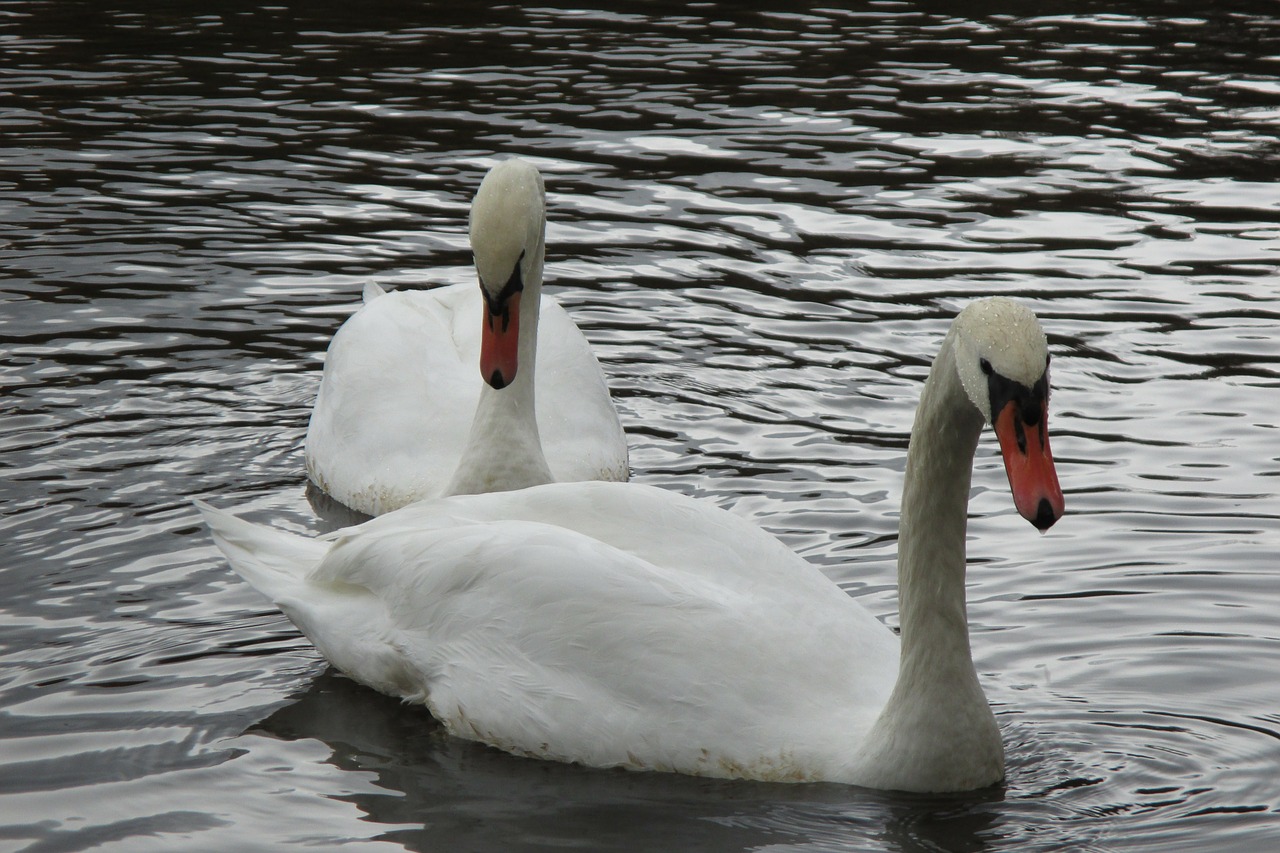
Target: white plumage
x=402 y=402
x=617 y=624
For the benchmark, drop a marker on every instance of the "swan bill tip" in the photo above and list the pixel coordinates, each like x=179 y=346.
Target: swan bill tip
x=1046 y=516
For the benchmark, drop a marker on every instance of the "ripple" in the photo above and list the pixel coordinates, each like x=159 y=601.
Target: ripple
x=764 y=221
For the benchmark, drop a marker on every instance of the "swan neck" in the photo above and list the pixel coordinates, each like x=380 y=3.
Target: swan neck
x=936 y=732
x=932 y=528
x=504 y=449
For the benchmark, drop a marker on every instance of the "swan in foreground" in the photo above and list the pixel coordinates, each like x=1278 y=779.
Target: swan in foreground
x=401 y=413
x=620 y=625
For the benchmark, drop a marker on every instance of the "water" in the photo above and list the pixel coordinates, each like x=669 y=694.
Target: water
x=763 y=219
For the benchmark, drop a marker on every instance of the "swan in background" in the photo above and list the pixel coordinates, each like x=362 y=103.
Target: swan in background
x=402 y=414
x=620 y=625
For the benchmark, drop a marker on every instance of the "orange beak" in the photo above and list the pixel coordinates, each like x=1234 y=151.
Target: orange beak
x=499 y=341
x=1029 y=464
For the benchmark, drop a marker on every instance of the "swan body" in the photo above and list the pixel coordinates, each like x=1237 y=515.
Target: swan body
x=403 y=413
x=619 y=625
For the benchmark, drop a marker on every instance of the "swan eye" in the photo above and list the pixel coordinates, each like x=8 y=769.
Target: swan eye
x=985 y=365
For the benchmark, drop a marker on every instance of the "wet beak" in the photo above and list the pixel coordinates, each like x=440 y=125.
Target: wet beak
x=1029 y=464
x=499 y=341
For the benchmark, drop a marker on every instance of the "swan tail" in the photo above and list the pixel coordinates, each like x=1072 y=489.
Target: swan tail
x=274 y=562
x=372 y=290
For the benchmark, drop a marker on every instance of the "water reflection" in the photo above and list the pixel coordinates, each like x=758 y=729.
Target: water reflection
x=763 y=219
x=438 y=791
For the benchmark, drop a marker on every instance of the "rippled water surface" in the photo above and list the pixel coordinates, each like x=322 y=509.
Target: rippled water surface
x=763 y=218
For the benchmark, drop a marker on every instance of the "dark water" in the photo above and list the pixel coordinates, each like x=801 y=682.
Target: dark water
x=763 y=218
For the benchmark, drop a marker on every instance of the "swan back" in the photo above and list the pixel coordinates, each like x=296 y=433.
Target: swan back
x=604 y=623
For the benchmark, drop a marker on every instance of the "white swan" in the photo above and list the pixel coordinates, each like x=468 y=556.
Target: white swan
x=402 y=413
x=616 y=624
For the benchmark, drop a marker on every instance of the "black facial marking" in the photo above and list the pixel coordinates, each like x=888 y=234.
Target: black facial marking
x=1029 y=402
x=514 y=285
x=492 y=316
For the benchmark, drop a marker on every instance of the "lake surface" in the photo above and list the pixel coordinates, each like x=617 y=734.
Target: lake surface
x=763 y=218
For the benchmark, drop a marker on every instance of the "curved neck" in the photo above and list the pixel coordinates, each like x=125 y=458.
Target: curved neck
x=936 y=732
x=931 y=530
x=504 y=451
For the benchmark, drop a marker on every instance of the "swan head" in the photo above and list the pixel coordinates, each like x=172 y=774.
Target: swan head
x=1002 y=358
x=508 y=222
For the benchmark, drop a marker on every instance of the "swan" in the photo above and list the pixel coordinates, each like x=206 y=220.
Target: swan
x=401 y=414
x=621 y=625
